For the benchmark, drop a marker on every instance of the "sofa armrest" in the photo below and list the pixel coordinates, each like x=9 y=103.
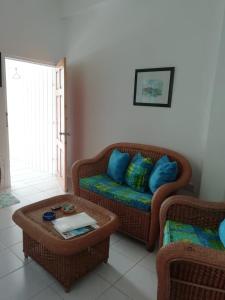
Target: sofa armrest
x=192 y=211
x=161 y=195
x=190 y=253
x=93 y=166
x=89 y=167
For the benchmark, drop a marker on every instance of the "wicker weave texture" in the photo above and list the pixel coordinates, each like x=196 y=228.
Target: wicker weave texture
x=204 y=217
x=185 y=291
x=143 y=226
x=188 y=271
x=133 y=222
x=29 y=218
x=66 y=269
x=66 y=260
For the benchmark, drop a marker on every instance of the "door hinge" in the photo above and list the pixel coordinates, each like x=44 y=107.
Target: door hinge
x=6 y=120
x=64 y=133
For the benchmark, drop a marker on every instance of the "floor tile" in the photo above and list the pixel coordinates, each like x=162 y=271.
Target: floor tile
x=47 y=294
x=149 y=262
x=8 y=262
x=89 y=287
x=32 y=180
x=112 y=294
x=47 y=277
x=34 y=198
x=14 y=207
x=115 y=237
x=117 y=265
x=2 y=246
x=130 y=248
x=6 y=218
x=17 y=249
x=54 y=192
x=21 y=284
x=18 y=185
x=139 y=283
x=26 y=181
x=10 y=236
x=46 y=185
x=25 y=191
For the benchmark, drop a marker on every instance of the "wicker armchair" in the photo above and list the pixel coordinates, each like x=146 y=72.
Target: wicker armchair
x=188 y=271
x=136 y=223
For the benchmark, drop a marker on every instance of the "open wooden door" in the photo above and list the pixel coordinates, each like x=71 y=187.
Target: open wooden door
x=61 y=126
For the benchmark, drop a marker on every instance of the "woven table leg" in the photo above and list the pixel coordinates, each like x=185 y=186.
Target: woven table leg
x=67 y=269
x=25 y=246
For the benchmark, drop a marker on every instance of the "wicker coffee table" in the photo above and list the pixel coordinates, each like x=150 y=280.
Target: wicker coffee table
x=66 y=260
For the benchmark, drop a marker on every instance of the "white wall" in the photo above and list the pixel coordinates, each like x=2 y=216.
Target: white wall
x=213 y=179
x=107 y=40
x=29 y=29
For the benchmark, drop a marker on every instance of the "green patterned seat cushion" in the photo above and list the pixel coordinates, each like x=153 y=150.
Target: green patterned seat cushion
x=105 y=186
x=179 y=232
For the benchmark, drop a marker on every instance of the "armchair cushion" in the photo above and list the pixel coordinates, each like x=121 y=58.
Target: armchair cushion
x=105 y=186
x=180 y=232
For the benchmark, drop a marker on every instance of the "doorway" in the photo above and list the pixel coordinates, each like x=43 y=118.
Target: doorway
x=32 y=124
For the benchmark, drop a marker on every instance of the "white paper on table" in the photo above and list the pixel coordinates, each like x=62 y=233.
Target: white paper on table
x=73 y=222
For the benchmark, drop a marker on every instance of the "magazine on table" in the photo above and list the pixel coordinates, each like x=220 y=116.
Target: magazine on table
x=77 y=232
x=75 y=225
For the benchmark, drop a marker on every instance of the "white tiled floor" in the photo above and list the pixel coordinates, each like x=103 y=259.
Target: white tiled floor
x=30 y=186
x=129 y=274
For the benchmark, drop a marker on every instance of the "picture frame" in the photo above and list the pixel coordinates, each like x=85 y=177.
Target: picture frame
x=0 y=70
x=154 y=86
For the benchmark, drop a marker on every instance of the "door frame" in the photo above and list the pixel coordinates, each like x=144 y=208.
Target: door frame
x=61 y=133
x=4 y=154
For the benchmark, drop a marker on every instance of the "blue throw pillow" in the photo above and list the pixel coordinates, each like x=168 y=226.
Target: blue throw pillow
x=138 y=172
x=164 y=159
x=117 y=165
x=222 y=232
x=164 y=173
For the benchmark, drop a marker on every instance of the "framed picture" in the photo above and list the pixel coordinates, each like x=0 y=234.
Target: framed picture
x=0 y=70
x=154 y=87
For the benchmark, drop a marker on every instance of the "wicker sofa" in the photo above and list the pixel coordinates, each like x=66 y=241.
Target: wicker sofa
x=191 y=271
x=134 y=222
